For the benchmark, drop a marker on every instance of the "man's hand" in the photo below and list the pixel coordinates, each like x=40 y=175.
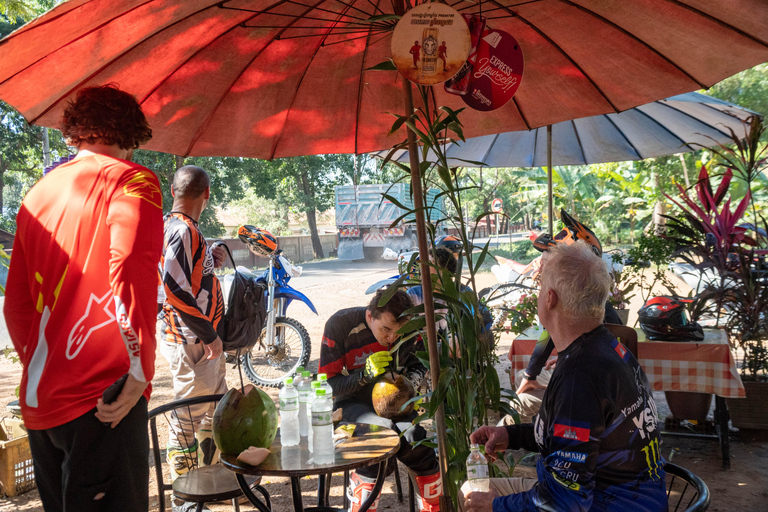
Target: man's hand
x=117 y=410
x=375 y=365
x=219 y=256
x=480 y=501
x=213 y=349
x=551 y=363
x=528 y=385
x=494 y=438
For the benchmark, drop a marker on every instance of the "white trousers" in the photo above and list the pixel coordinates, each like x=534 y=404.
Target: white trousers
x=504 y=486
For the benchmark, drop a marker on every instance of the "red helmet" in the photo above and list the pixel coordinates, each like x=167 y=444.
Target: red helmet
x=573 y=230
x=666 y=318
x=259 y=241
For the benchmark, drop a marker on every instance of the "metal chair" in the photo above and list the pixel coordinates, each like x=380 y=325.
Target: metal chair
x=201 y=484
x=684 y=489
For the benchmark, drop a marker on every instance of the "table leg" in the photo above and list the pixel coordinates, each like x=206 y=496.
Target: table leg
x=298 y=505
x=256 y=502
x=721 y=423
x=321 y=483
x=376 y=487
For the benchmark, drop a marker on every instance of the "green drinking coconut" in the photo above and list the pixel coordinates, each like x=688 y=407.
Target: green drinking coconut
x=241 y=421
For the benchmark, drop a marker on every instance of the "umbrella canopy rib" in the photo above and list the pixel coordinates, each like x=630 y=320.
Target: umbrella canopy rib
x=520 y=111
x=625 y=137
x=561 y=51
x=535 y=145
x=111 y=61
x=720 y=22
x=578 y=140
x=490 y=147
x=686 y=114
x=660 y=125
x=361 y=83
x=301 y=80
x=204 y=124
x=635 y=38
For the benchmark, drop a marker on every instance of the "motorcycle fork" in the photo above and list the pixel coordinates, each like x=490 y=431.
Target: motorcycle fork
x=276 y=309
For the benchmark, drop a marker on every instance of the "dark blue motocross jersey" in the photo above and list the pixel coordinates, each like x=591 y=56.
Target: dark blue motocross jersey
x=597 y=433
x=544 y=348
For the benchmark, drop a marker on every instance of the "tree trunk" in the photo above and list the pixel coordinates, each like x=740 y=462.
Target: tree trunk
x=659 y=222
x=317 y=247
x=179 y=161
x=685 y=171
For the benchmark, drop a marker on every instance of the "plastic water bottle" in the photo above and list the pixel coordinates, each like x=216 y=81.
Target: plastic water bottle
x=322 y=425
x=477 y=470
x=323 y=378
x=289 y=414
x=304 y=386
x=315 y=387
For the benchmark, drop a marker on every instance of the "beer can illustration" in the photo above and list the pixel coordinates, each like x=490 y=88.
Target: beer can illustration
x=429 y=44
x=459 y=83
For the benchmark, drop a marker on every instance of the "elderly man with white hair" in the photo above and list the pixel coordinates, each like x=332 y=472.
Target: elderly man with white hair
x=597 y=429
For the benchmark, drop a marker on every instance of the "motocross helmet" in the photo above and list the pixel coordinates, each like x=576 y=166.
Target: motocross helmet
x=259 y=241
x=449 y=242
x=573 y=230
x=666 y=318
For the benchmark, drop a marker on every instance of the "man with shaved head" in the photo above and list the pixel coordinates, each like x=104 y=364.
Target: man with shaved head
x=192 y=306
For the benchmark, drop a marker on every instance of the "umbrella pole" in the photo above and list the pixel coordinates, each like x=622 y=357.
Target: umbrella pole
x=426 y=286
x=549 y=177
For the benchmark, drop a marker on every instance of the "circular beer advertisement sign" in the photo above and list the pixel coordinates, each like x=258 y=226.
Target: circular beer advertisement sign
x=497 y=72
x=430 y=43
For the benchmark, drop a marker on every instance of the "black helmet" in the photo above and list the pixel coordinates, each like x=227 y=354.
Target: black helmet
x=449 y=242
x=666 y=319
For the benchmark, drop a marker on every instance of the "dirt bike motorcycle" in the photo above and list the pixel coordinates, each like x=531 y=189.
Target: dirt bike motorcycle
x=284 y=343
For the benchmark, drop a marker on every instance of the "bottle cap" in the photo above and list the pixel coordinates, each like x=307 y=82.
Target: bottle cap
x=320 y=392
x=322 y=377
x=316 y=384
x=299 y=370
x=289 y=381
x=474 y=446
x=306 y=374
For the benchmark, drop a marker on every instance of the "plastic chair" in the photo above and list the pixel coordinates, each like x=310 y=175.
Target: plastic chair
x=684 y=489
x=625 y=334
x=201 y=484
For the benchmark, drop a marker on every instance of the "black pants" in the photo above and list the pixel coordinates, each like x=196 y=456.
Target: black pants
x=84 y=466
x=419 y=459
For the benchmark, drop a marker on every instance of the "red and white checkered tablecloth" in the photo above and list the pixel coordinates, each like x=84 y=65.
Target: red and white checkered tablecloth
x=706 y=367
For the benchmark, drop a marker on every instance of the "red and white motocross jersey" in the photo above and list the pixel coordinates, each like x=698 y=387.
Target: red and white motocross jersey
x=80 y=298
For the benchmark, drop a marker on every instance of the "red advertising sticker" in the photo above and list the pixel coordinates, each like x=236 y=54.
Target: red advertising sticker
x=497 y=72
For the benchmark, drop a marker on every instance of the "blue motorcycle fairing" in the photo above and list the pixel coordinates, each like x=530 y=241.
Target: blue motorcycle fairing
x=291 y=294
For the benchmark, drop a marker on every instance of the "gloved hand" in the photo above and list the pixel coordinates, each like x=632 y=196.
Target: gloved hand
x=375 y=365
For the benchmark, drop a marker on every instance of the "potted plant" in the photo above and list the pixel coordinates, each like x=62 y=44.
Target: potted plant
x=731 y=257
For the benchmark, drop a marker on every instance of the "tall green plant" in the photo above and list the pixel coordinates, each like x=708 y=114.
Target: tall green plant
x=469 y=386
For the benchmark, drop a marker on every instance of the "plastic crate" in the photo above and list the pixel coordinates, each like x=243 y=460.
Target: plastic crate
x=17 y=475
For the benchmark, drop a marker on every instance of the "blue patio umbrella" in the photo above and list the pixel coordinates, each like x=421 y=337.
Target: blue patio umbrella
x=679 y=124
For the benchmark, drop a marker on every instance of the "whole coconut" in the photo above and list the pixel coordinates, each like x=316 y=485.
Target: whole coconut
x=241 y=421
x=389 y=395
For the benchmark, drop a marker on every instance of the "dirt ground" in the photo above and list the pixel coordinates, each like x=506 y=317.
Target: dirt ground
x=744 y=487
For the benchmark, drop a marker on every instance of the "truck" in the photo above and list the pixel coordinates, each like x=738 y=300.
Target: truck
x=364 y=219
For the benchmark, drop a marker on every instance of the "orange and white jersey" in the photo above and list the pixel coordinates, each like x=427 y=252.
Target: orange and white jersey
x=194 y=303
x=80 y=298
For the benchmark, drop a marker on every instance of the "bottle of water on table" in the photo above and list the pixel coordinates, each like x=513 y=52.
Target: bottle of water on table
x=477 y=470
x=304 y=386
x=323 y=378
x=322 y=425
x=315 y=387
x=289 y=414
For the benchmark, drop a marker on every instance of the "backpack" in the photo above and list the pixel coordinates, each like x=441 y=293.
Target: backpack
x=245 y=314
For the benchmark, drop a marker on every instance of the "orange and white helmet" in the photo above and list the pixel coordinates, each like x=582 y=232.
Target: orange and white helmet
x=573 y=230
x=259 y=241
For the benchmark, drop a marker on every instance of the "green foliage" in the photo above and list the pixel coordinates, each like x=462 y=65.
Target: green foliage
x=522 y=252
x=658 y=251
x=468 y=387
x=259 y=211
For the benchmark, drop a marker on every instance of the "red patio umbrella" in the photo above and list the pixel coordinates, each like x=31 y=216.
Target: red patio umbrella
x=276 y=78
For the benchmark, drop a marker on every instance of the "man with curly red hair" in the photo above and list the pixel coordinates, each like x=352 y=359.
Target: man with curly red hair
x=80 y=309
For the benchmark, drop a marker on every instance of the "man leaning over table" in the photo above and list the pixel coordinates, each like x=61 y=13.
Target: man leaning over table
x=597 y=429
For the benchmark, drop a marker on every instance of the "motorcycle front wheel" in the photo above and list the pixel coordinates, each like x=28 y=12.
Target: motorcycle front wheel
x=269 y=365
